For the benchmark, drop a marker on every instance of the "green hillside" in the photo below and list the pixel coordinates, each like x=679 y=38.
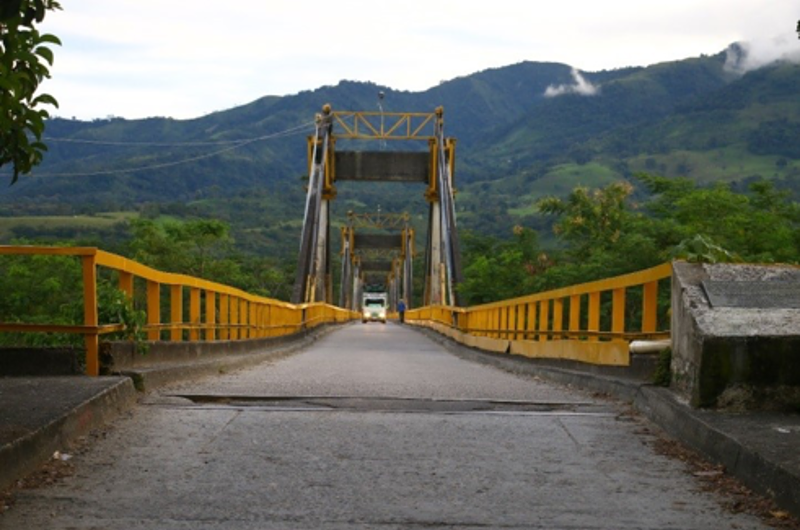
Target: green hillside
x=745 y=128
x=515 y=145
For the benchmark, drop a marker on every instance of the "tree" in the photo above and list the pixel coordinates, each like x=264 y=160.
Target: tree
x=498 y=269
x=48 y=290
x=24 y=62
x=590 y=220
x=762 y=226
x=203 y=248
x=192 y=247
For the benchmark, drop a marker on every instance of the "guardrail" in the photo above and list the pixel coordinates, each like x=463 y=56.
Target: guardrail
x=215 y=311
x=563 y=323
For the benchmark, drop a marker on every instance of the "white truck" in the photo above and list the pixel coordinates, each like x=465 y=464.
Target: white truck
x=374 y=307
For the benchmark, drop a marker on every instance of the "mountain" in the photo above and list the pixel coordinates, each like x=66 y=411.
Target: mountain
x=524 y=131
x=691 y=118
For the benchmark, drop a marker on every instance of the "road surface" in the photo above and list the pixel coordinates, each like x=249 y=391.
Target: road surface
x=374 y=426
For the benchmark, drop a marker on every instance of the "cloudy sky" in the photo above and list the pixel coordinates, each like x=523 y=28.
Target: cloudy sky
x=182 y=58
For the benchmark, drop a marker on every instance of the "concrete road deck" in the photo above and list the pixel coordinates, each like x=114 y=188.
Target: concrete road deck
x=374 y=427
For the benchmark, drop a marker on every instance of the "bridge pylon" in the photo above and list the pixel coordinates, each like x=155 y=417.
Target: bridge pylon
x=328 y=165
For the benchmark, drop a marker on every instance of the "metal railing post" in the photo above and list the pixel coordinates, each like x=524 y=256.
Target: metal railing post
x=574 y=313
x=544 y=320
x=594 y=314
x=126 y=283
x=90 y=315
x=618 y=311
x=211 y=315
x=233 y=306
x=650 y=307
x=520 y=321
x=194 y=313
x=558 y=317
x=531 y=327
x=176 y=313
x=254 y=327
x=153 y=310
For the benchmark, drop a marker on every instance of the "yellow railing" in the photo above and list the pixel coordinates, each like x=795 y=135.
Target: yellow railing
x=563 y=323
x=215 y=312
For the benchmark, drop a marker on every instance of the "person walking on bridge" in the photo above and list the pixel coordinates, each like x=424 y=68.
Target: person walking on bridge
x=401 y=308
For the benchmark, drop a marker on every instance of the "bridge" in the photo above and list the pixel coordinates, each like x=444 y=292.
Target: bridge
x=563 y=324
x=372 y=425
x=329 y=164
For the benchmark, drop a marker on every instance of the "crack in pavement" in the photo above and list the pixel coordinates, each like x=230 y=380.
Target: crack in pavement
x=382 y=404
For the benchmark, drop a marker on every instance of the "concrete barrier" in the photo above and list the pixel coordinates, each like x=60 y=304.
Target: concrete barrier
x=736 y=335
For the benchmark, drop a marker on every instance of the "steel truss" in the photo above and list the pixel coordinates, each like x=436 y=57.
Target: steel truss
x=442 y=254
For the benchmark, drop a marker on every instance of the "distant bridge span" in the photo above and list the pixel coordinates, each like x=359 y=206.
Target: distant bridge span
x=327 y=165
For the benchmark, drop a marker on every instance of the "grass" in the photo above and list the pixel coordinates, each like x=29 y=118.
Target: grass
x=561 y=180
x=97 y=222
x=727 y=164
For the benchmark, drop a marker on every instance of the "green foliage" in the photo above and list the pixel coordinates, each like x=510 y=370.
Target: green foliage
x=762 y=226
x=515 y=146
x=116 y=307
x=775 y=137
x=191 y=247
x=204 y=248
x=590 y=221
x=700 y=249
x=39 y=290
x=683 y=118
x=496 y=269
x=24 y=62
x=48 y=290
x=663 y=373
x=601 y=233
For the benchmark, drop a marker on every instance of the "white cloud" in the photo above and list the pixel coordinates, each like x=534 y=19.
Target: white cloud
x=746 y=56
x=201 y=56
x=581 y=87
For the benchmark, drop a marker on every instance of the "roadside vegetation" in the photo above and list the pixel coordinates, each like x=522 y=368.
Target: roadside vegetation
x=606 y=232
x=596 y=233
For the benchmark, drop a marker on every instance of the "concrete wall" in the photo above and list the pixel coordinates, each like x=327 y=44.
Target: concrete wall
x=117 y=357
x=122 y=357
x=41 y=361
x=734 y=356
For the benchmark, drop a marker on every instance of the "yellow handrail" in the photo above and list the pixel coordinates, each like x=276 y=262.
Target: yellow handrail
x=556 y=316
x=215 y=312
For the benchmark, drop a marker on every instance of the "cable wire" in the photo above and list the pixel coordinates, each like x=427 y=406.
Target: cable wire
x=240 y=143
x=139 y=144
x=136 y=144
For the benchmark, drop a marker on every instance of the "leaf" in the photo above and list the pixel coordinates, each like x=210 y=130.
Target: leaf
x=40 y=10
x=44 y=99
x=35 y=122
x=48 y=38
x=45 y=53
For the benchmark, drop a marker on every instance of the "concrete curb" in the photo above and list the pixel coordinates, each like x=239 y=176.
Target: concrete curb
x=26 y=454
x=149 y=378
x=695 y=428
